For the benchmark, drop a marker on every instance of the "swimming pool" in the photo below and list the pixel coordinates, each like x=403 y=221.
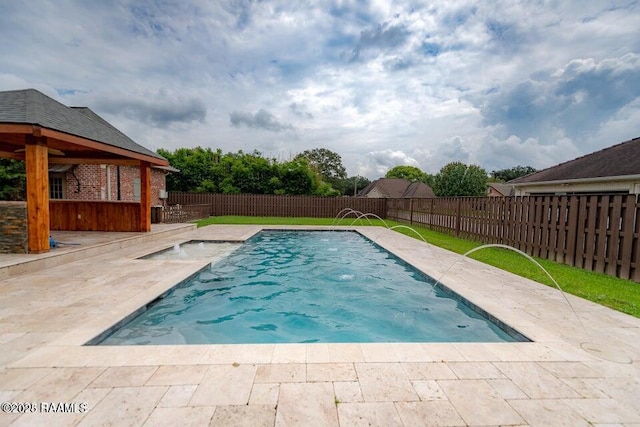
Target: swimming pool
x=309 y=286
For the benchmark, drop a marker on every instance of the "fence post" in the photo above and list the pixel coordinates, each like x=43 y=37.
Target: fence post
x=458 y=216
x=411 y=211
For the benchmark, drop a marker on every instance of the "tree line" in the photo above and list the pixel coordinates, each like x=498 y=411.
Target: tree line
x=313 y=172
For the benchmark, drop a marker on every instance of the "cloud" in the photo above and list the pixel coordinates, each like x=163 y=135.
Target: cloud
x=377 y=163
x=548 y=103
x=381 y=37
x=260 y=120
x=300 y=110
x=159 y=109
x=513 y=151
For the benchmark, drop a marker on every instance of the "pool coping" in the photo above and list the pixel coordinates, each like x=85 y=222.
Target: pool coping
x=407 y=249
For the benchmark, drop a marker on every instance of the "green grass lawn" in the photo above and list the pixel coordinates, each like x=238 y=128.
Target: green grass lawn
x=619 y=294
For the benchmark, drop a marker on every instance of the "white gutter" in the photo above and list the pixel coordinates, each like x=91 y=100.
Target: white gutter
x=579 y=180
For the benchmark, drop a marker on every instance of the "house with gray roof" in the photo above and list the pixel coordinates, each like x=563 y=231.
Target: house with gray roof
x=613 y=170
x=396 y=188
x=497 y=189
x=50 y=137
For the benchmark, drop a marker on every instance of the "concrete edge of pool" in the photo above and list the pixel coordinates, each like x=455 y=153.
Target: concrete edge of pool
x=550 y=379
x=463 y=281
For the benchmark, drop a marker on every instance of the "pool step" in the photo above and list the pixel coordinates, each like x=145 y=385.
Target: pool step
x=16 y=264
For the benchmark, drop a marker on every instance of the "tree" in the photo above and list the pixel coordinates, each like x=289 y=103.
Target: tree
x=13 y=179
x=295 y=177
x=348 y=185
x=458 y=179
x=411 y=173
x=196 y=166
x=504 y=175
x=327 y=163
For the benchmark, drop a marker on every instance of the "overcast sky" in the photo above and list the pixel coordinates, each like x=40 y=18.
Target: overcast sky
x=382 y=83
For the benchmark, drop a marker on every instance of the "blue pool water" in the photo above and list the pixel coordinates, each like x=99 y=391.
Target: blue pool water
x=308 y=286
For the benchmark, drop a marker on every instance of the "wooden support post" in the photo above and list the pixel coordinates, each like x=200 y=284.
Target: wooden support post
x=411 y=211
x=458 y=217
x=145 y=196
x=37 y=168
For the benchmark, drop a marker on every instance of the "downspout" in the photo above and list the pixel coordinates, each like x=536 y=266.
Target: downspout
x=118 y=182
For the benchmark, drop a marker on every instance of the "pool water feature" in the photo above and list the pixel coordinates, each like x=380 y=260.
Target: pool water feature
x=310 y=286
x=195 y=250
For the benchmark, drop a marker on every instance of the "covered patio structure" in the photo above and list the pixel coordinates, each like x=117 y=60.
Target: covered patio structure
x=41 y=131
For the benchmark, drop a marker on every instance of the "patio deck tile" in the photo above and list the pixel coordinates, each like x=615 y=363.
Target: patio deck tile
x=429 y=413
x=506 y=388
x=478 y=403
x=281 y=373
x=378 y=352
x=318 y=353
x=177 y=396
x=124 y=376
x=348 y=391
x=177 y=375
x=409 y=352
x=604 y=410
x=63 y=384
x=345 y=352
x=368 y=414
x=187 y=416
x=384 y=382
x=475 y=370
x=428 y=390
x=22 y=378
x=428 y=371
x=320 y=372
x=536 y=382
x=289 y=353
x=125 y=406
x=306 y=404
x=244 y=416
x=264 y=394
x=225 y=385
x=548 y=412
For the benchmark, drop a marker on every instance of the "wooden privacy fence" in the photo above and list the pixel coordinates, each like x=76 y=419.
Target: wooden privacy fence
x=274 y=205
x=594 y=232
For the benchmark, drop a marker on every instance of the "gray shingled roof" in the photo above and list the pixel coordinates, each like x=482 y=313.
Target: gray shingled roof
x=618 y=160
x=504 y=189
x=30 y=106
x=399 y=188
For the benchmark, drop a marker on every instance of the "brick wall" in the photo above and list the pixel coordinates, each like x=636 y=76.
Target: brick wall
x=100 y=182
x=13 y=228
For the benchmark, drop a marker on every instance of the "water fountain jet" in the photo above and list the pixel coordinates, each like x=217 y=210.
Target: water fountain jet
x=594 y=349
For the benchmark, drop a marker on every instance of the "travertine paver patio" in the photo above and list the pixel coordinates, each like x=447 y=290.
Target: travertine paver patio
x=46 y=316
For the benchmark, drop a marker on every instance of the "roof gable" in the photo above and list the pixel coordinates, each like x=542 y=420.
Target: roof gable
x=504 y=189
x=398 y=188
x=617 y=160
x=30 y=106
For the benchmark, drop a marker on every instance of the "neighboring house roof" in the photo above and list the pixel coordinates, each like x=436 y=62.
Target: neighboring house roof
x=397 y=188
x=504 y=189
x=615 y=161
x=30 y=106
